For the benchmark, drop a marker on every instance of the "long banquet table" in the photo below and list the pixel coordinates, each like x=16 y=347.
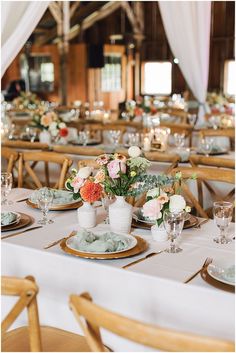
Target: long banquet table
x=151 y=291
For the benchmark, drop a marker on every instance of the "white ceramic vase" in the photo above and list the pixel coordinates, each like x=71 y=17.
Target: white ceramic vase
x=159 y=233
x=87 y=216
x=120 y=215
x=45 y=137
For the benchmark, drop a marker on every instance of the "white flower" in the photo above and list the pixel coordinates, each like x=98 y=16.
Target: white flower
x=188 y=209
x=85 y=172
x=153 y=192
x=53 y=126
x=134 y=151
x=177 y=203
x=62 y=125
x=54 y=132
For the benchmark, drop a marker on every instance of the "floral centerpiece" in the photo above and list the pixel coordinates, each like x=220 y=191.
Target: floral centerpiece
x=26 y=100
x=86 y=187
x=50 y=122
x=160 y=199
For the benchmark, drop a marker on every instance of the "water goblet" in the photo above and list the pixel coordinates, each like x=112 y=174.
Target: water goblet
x=44 y=198
x=83 y=137
x=173 y=223
x=222 y=212
x=32 y=132
x=115 y=137
x=206 y=146
x=107 y=200
x=192 y=119
x=6 y=186
x=179 y=140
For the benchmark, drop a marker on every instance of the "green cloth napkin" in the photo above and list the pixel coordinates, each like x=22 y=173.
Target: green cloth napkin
x=7 y=218
x=61 y=197
x=107 y=242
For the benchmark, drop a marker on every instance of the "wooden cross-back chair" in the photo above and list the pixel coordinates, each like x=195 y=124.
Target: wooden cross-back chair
x=11 y=156
x=78 y=150
x=204 y=176
x=25 y=145
x=197 y=160
x=33 y=338
x=171 y=158
x=157 y=337
x=230 y=133
x=88 y=163
x=28 y=161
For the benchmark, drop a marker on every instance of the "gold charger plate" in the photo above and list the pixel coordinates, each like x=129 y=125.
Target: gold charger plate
x=141 y=246
x=25 y=220
x=191 y=222
x=217 y=284
x=71 y=206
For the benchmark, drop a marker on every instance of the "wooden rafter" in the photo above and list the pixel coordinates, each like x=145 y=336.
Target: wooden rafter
x=73 y=8
x=55 y=10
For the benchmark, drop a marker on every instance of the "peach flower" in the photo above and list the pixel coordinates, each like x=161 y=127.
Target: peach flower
x=100 y=176
x=90 y=191
x=46 y=120
x=152 y=209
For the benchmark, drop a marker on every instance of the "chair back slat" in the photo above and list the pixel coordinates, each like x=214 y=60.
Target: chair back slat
x=148 y=335
x=27 y=290
x=197 y=160
x=76 y=150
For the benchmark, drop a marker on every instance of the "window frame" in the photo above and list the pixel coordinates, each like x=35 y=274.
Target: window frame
x=226 y=77
x=119 y=55
x=143 y=78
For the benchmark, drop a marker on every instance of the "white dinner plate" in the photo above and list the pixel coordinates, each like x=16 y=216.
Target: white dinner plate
x=57 y=204
x=222 y=270
x=132 y=244
x=17 y=220
x=137 y=215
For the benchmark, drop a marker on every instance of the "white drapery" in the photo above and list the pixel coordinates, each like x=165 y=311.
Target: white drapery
x=187 y=27
x=18 y=20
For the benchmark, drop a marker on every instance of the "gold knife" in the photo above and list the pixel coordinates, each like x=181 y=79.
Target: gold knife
x=142 y=259
x=23 y=231
x=59 y=240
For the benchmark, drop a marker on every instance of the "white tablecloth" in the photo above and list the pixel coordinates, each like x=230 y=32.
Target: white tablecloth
x=152 y=291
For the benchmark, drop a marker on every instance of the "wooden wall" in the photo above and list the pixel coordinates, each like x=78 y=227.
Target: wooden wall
x=155 y=46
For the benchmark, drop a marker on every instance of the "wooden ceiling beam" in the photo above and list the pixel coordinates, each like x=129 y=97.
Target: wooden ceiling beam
x=73 y=8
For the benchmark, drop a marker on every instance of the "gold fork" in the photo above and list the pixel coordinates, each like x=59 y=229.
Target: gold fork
x=207 y=262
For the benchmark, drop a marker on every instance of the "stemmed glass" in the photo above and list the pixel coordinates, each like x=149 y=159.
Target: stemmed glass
x=44 y=198
x=115 y=137
x=173 y=223
x=107 y=200
x=83 y=137
x=223 y=212
x=192 y=119
x=179 y=140
x=6 y=186
x=206 y=146
x=32 y=134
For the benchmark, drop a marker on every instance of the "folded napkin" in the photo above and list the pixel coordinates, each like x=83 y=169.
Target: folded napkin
x=60 y=197
x=107 y=242
x=229 y=274
x=7 y=218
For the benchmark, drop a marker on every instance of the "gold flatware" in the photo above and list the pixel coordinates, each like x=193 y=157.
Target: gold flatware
x=22 y=200
x=21 y=232
x=207 y=262
x=142 y=259
x=201 y=223
x=59 y=240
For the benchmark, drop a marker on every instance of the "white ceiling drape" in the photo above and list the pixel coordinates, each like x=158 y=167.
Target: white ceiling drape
x=18 y=20
x=187 y=26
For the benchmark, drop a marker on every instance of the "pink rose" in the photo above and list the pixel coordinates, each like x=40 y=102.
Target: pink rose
x=152 y=209
x=114 y=167
x=77 y=183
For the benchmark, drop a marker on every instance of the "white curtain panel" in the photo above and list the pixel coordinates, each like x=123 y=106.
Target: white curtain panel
x=187 y=26
x=18 y=20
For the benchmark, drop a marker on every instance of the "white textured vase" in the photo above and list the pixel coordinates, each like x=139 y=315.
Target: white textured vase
x=120 y=215
x=87 y=216
x=45 y=137
x=159 y=233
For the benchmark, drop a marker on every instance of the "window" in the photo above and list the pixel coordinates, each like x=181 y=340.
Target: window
x=111 y=73
x=229 y=77
x=41 y=73
x=156 y=78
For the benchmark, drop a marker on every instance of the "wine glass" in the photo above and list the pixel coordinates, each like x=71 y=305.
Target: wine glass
x=6 y=186
x=32 y=132
x=107 y=200
x=179 y=140
x=192 y=119
x=115 y=137
x=45 y=198
x=83 y=137
x=206 y=146
x=223 y=212
x=173 y=223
